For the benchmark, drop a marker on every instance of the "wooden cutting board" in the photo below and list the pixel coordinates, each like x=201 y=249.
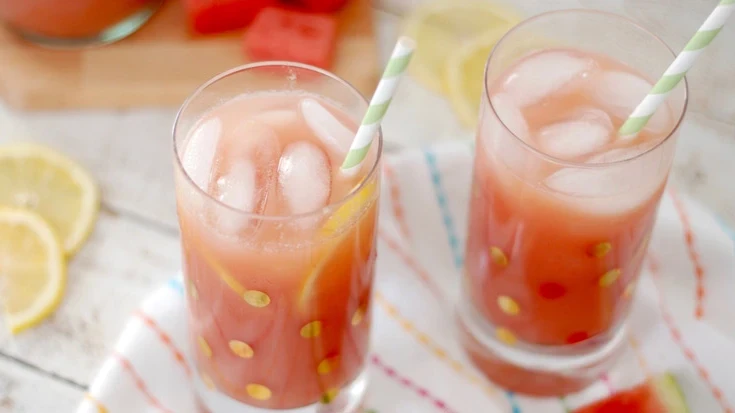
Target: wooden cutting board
x=160 y=65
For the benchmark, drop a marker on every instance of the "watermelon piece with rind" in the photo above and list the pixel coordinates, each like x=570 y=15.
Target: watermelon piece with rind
x=661 y=394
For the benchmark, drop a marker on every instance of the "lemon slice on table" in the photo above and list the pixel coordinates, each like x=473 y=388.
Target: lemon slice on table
x=466 y=75
x=32 y=268
x=38 y=178
x=335 y=223
x=441 y=27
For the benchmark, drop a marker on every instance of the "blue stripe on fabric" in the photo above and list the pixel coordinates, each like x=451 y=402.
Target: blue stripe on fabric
x=176 y=285
x=441 y=198
x=515 y=408
x=729 y=231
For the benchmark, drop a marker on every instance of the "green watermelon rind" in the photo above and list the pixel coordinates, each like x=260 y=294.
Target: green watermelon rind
x=670 y=394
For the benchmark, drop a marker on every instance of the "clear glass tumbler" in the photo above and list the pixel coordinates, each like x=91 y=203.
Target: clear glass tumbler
x=557 y=236
x=279 y=304
x=76 y=23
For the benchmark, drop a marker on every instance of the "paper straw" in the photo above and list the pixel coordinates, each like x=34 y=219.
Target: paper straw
x=678 y=69
x=379 y=104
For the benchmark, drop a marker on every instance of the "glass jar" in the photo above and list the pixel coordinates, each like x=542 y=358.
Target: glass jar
x=77 y=23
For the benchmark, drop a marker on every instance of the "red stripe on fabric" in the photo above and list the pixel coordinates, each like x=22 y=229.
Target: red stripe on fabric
x=608 y=383
x=411 y=262
x=395 y=200
x=407 y=383
x=431 y=345
x=677 y=336
x=139 y=383
x=166 y=340
x=694 y=256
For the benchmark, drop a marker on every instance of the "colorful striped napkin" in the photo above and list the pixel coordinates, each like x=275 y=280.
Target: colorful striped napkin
x=682 y=319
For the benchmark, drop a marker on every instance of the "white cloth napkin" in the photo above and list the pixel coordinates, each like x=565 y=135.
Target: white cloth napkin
x=416 y=363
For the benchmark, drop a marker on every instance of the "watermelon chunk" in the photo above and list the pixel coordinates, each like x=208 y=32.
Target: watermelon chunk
x=658 y=395
x=279 y=34
x=323 y=6
x=214 y=16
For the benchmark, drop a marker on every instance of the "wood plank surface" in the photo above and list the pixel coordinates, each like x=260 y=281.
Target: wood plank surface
x=25 y=390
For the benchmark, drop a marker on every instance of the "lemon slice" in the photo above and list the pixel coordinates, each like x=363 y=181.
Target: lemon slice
x=37 y=178
x=439 y=28
x=32 y=268
x=336 y=223
x=466 y=75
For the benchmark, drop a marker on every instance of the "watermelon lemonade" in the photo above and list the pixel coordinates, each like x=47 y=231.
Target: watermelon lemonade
x=562 y=207
x=278 y=244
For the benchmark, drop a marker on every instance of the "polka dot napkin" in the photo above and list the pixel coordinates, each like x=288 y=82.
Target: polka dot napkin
x=682 y=317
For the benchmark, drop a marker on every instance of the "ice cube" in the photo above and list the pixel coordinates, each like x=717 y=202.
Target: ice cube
x=605 y=190
x=282 y=120
x=237 y=188
x=510 y=114
x=304 y=177
x=200 y=151
x=620 y=92
x=252 y=139
x=256 y=143
x=542 y=74
x=621 y=154
x=589 y=131
x=331 y=132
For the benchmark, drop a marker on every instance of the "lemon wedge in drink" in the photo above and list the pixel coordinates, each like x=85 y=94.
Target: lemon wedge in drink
x=465 y=71
x=441 y=27
x=335 y=223
x=32 y=268
x=40 y=179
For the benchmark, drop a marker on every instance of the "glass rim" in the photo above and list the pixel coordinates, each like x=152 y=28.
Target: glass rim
x=563 y=162
x=332 y=206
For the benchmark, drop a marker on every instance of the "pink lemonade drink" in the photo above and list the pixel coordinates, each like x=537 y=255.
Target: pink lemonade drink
x=562 y=207
x=278 y=243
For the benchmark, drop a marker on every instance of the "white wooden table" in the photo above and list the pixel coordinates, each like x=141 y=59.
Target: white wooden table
x=135 y=244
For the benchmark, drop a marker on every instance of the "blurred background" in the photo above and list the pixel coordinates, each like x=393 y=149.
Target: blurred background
x=109 y=108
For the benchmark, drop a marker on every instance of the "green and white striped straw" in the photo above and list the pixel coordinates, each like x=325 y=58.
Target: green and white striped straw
x=678 y=69
x=378 y=105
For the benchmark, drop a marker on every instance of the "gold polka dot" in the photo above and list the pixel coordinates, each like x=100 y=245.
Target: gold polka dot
x=241 y=349
x=327 y=365
x=207 y=381
x=193 y=291
x=204 y=347
x=601 y=249
x=329 y=395
x=629 y=290
x=505 y=335
x=358 y=316
x=610 y=277
x=498 y=257
x=256 y=298
x=258 y=391
x=312 y=329
x=508 y=305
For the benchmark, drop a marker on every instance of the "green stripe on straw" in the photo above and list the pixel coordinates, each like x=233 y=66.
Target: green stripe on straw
x=382 y=97
x=677 y=70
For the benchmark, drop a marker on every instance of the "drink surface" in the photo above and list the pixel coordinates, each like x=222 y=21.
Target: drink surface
x=559 y=224
x=279 y=279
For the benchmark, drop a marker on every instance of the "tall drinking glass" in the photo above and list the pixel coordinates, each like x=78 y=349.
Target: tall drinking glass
x=562 y=207
x=278 y=246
